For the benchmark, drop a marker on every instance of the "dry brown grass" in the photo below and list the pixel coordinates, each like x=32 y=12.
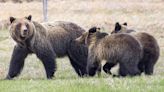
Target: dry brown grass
x=18 y=1
x=143 y=15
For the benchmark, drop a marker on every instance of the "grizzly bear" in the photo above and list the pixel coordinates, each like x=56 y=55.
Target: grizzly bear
x=149 y=44
x=118 y=48
x=107 y=66
x=47 y=41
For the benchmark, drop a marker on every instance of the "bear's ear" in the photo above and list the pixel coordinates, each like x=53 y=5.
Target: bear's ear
x=125 y=24
x=29 y=18
x=12 y=19
x=117 y=27
x=93 y=29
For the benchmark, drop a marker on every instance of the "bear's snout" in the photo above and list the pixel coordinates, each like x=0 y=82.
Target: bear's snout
x=24 y=33
x=25 y=30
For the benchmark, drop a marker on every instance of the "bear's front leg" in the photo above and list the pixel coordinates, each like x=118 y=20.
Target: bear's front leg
x=107 y=67
x=47 y=56
x=17 y=61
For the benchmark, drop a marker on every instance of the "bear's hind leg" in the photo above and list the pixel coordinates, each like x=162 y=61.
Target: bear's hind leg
x=77 y=55
x=48 y=59
x=17 y=61
x=129 y=68
x=78 y=66
x=141 y=66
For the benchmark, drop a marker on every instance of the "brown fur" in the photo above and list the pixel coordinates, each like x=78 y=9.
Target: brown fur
x=119 y=48
x=47 y=41
x=150 y=48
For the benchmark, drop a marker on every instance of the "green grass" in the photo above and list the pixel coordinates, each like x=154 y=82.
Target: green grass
x=137 y=84
x=4 y=35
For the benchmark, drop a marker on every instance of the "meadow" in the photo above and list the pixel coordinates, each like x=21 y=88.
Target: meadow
x=141 y=15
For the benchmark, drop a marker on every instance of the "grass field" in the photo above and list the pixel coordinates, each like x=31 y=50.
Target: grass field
x=142 y=15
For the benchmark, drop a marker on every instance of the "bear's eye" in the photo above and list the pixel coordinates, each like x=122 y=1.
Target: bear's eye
x=27 y=25
x=18 y=26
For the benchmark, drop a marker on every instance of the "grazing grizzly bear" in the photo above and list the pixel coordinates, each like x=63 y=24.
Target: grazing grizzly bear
x=119 y=48
x=149 y=44
x=107 y=66
x=47 y=42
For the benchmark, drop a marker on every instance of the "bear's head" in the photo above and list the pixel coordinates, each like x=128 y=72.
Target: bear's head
x=121 y=28
x=21 y=29
x=91 y=36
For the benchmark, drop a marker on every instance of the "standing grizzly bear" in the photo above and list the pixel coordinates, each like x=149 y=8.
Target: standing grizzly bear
x=149 y=44
x=119 y=48
x=47 y=42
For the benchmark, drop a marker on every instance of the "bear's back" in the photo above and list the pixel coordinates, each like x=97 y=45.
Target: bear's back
x=118 y=39
x=119 y=45
x=148 y=42
x=61 y=34
x=61 y=28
